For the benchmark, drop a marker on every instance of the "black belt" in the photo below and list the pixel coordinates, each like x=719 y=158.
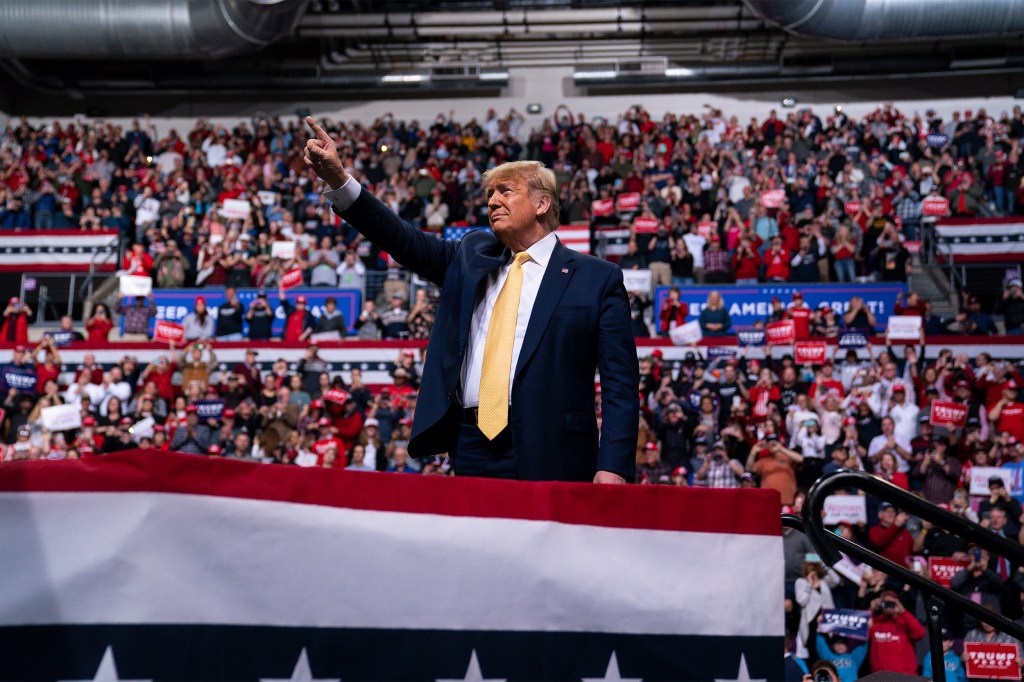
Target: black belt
x=470 y=415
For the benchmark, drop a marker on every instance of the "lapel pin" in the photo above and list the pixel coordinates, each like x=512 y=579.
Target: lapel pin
x=565 y=271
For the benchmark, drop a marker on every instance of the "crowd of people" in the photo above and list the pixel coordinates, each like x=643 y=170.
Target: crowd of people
x=851 y=195
x=799 y=198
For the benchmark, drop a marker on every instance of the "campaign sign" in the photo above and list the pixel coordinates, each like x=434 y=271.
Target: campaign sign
x=135 y=285
x=336 y=395
x=748 y=304
x=853 y=340
x=943 y=568
x=602 y=207
x=686 y=334
x=721 y=352
x=282 y=250
x=751 y=338
x=849 y=623
x=773 y=198
x=904 y=327
x=990 y=660
x=935 y=206
x=849 y=570
x=810 y=352
x=209 y=409
x=705 y=228
x=948 y=414
x=292 y=278
x=21 y=379
x=236 y=208
x=630 y=201
x=845 y=508
x=61 y=417
x=980 y=476
x=780 y=333
x=646 y=225
x=172 y=305
x=638 y=280
x=936 y=140
x=168 y=331
x=61 y=339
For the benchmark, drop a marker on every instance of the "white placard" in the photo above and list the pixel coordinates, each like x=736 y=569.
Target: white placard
x=849 y=508
x=980 y=476
x=686 y=334
x=326 y=336
x=61 y=417
x=136 y=285
x=236 y=208
x=282 y=250
x=267 y=198
x=904 y=327
x=306 y=459
x=143 y=429
x=849 y=570
x=637 y=280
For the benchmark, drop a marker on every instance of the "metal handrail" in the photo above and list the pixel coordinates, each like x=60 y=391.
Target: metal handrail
x=828 y=545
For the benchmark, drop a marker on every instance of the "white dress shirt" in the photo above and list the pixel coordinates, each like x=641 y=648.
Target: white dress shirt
x=533 y=273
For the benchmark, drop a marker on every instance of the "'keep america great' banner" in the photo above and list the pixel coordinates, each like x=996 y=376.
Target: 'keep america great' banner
x=174 y=567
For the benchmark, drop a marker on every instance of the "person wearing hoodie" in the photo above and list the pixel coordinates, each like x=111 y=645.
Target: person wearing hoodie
x=892 y=634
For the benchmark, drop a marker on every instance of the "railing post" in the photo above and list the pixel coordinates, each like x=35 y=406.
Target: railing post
x=933 y=612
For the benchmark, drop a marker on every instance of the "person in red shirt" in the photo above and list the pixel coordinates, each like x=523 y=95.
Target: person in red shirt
x=746 y=263
x=298 y=321
x=776 y=261
x=325 y=441
x=346 y=420
x=99 y=325
x=1008 y=414
x=892 y=634
x=673 y=311
x=49 y=368
x=15 y=326
x=161 y=372
x=90 y=369
x=138 y=262
x=890 y=538
x=826 y=381
x=800 y=313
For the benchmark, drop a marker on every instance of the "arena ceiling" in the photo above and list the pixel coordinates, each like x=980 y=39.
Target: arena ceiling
x=52 y=51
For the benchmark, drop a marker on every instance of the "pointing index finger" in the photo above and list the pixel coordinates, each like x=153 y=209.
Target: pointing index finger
x=321 y=134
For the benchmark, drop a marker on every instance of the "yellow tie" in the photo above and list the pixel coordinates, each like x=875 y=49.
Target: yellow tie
x=497 y=366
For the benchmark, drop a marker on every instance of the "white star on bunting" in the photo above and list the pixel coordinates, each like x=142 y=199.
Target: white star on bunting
x=743 y=675
x=612 y=674
x=473 y=672
x=107 y=672
x=301 y=673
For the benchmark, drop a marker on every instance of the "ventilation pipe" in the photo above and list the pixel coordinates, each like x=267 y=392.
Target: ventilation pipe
x=152 y=29
x=870 y=20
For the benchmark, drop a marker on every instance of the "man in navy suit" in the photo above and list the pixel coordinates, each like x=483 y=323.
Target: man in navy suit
x=545 y=315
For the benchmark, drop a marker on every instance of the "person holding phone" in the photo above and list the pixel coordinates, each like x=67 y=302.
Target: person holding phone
x=891 y=635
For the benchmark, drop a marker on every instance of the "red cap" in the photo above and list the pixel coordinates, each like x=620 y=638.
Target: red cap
x=651 y=445
x=943 y=505
x=405 y=422
x=191 y=408
x=714 y=237
x=963 y=383
x=214 y=449
x=828 y=363
x=787 y=509
x=317 y=404
x=88 y=421
x=126 y=420
x=679 y=471
x=776 y=299
x=200 y=299
x=656 y=353
x=797 y=294
x=300 y=299
x=1010 y=384
x=159 y=427
x=899 y=388
x=849 y=421
x=14 y=299
x=20 y=348
x=228 y=413
x=324 y=421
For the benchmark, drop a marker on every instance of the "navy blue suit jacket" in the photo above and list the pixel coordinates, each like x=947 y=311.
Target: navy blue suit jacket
x=580 y=323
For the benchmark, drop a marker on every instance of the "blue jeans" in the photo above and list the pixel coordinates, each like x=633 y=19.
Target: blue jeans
x=747 y=280
x=846 y=269
x=682 y=281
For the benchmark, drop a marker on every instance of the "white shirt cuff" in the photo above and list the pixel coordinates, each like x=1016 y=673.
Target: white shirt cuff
x=346 y=195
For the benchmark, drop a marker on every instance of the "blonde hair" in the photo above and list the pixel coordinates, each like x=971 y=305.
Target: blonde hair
x=540 y=181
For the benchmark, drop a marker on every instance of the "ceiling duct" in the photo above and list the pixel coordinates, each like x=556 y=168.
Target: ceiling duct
x=151 y=29
x=871 y=20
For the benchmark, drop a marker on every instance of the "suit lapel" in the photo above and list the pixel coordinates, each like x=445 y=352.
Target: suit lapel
x=556 y=278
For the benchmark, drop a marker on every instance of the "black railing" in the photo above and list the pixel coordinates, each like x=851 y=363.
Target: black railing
x=829 y=545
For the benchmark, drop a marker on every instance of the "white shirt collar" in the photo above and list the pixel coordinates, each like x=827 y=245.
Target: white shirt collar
x=540 y=252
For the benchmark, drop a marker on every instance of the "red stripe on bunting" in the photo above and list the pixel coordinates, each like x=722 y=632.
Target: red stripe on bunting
x=747 y=512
